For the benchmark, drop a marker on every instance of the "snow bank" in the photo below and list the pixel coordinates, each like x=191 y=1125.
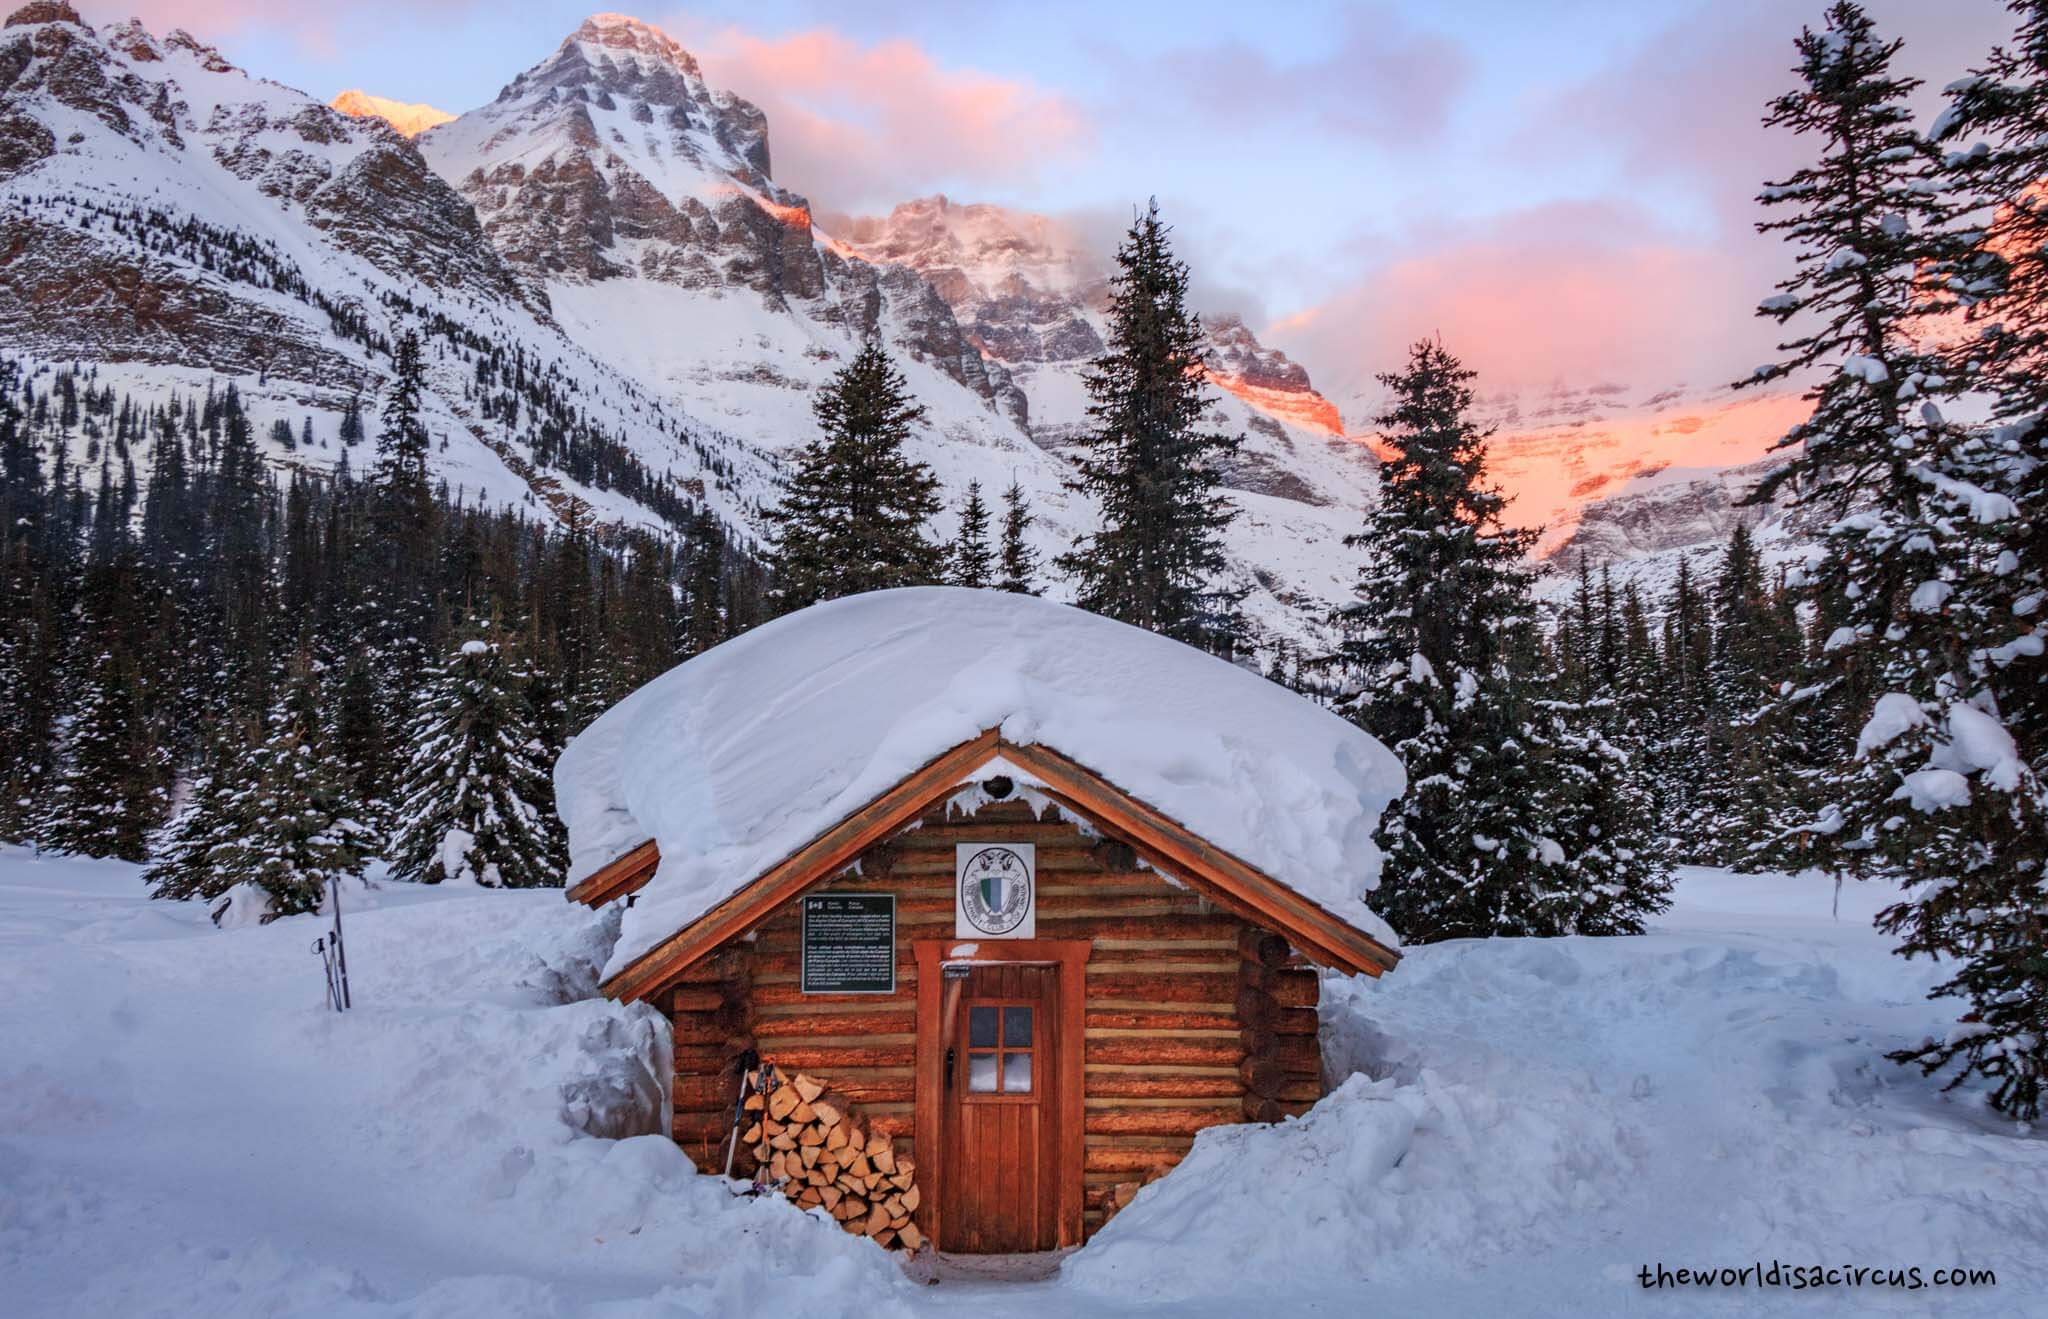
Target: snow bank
x=742 y=755
x=1535 y=1120
x=191 y=1132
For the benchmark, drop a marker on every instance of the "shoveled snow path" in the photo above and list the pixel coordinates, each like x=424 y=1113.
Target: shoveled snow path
x=189 y=1132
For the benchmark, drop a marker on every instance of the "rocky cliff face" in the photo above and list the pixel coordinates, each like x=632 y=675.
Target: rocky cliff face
x=1032 y=296
x=174 y=221
x=614 y=160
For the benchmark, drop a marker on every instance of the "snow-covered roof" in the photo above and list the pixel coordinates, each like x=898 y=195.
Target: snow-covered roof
x=735 y=759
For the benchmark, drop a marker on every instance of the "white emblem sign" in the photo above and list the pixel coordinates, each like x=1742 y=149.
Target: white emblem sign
x=995 y=891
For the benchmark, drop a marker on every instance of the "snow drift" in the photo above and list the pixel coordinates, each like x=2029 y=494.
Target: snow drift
x=740 y=756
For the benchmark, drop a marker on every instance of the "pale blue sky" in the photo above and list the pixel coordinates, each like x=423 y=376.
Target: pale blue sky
x=1348 y=175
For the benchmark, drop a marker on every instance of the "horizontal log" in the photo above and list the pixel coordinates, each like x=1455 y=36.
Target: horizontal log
x=696 y=1059
x=701 y=1093
x=1108 y=932
x=708 y=1028
x=1116 y=1085
x=1170 y=1049
x=1158 y=1121
x=1262 y=947
x=1165 y=987
x=941 y=839
x=1298 y=1054
x=701 y=1126
x=1164 y=1019
x=1153 y=1162
x=1257 y=1108
x=1161 y=962
x=784 y=991
x=829 y=1020
x=782 y=1045
x=1275 y=1080
x=697 y=998
x=823 y=1062
x=837 y=1004
x=733 y=1015
x=1290 y=987
x=1259 y=1010
x=728 y=963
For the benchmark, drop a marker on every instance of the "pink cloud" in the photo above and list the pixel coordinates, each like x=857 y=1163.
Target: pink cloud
x=861 y=126
x=1573 y=294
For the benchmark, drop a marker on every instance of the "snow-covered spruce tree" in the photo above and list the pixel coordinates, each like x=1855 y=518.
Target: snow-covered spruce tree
x=478 y=803
x=111 y=788
x=1150 y=464
x=185 y=864
x=1934 y=789
x=1439 y=662
x=1970 y=761
x=269 y=823
x=973 y=562
x=297 y=830
x=1997 y=121
x=1755 y=648
x=1019 y=561
x=1594 y=795
x=855 y=513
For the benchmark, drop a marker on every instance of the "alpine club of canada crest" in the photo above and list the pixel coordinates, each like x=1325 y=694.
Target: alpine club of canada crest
x=995 y=895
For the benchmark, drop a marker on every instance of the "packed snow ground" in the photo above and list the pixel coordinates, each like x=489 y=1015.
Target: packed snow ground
x=190 y=1132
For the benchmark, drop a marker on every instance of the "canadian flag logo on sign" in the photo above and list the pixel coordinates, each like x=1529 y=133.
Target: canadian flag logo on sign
x=995 y=891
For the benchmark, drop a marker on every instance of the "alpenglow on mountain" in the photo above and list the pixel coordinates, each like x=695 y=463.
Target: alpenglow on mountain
x=610 y=226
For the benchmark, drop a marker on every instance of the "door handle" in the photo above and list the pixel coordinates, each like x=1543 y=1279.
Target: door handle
x=949 y=1069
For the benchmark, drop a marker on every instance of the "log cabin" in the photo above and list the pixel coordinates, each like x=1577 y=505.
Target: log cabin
x=971 y=910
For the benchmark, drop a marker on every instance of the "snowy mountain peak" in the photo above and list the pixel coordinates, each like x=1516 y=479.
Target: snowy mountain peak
x=408 y=118
x=45 y=11
x=637 y=38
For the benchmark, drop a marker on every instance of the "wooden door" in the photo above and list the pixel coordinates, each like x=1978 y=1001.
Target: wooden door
x=1002 y=1138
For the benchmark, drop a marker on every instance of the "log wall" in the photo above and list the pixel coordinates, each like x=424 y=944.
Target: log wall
x=1193 y=1017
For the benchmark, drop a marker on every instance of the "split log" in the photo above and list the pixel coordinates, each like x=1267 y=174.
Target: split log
x=815 y=1148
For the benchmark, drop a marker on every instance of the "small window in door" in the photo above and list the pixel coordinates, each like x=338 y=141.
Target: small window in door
x=1000 y=1038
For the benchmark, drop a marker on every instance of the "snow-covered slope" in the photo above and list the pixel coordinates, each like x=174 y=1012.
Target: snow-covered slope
x=640 y=200
x=191 y=1132
x=409 y=118
x=177 y=221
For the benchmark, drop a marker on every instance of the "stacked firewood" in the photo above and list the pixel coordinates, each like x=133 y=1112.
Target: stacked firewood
x=812 y=1146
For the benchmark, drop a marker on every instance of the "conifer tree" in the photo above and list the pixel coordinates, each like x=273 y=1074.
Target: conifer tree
x=351 y=433
x=293 y=828
x=1934 y=789
x=478 y=804
x=973 y=564
x=110 y=791
x=1439 y=657
x=1018 y=560
x=854 y=517
x=1151 y=465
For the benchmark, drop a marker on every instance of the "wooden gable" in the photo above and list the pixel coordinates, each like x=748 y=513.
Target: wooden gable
x=1168 y=845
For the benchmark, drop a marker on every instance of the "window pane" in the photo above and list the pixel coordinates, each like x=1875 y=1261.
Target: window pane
x=1017 y=1073
x=1016 y=1028
x=981 y=1028
x=981 y=1072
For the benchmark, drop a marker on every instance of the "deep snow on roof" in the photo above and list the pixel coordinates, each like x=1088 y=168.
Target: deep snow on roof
x=737 y=758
